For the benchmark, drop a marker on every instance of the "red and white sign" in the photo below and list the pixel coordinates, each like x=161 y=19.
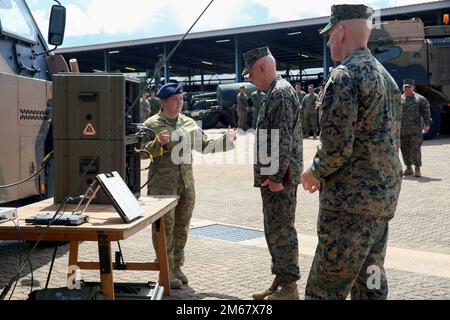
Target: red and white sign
x=89 y=130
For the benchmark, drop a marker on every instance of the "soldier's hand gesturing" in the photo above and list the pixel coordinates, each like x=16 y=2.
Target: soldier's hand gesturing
x=164 y=137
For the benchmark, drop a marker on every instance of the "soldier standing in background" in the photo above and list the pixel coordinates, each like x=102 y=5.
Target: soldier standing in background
x=169 y=178
x=155 y=104
x=309 y=106
x=319 y=103
x=257 y=98
x=242 y=108
x=416 y=120
x=279 y=111
x=301 y=94
x=357 y=165
x=144 y=107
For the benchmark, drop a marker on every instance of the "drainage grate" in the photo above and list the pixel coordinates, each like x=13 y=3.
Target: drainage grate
x=229 y=233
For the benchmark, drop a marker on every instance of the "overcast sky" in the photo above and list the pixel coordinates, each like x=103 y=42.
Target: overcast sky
x=100 y=21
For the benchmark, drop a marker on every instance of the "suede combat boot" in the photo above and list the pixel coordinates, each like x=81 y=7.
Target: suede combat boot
x=408 y=171
x=286 y=291
x=180 y=275
x=417 y=172
x=174 y=283
x=273 y=287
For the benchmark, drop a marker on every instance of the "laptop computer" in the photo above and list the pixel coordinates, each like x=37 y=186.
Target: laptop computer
x=120 y=195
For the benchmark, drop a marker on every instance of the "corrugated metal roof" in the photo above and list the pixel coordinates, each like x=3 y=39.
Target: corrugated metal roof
x=249 y=29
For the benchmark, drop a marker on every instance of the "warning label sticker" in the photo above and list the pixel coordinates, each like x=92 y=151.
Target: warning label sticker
x=89 y=130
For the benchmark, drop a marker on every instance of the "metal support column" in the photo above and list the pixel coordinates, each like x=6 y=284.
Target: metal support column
x=166 y=65
x=202 y=81
x=238 y=59
x=326 y=59
x=106 y=60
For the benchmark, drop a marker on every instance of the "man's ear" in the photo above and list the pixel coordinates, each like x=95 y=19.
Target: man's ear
x=340 y=32
x=262 y=67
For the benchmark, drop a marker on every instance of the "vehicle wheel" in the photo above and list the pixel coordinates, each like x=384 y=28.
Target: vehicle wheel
x=437 y=120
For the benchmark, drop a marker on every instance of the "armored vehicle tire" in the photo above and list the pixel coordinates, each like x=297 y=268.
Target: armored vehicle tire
x=437 y=120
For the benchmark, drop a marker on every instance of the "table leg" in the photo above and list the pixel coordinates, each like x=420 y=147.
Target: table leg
x=73 y=264
x=161 y=253
x=106 y=267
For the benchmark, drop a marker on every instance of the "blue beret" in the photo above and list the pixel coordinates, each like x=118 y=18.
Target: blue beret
x=169 y=90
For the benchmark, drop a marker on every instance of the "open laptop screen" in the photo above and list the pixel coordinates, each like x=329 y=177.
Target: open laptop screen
x=120 y=195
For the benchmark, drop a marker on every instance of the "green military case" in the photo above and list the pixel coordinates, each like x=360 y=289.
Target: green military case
x=89 y=124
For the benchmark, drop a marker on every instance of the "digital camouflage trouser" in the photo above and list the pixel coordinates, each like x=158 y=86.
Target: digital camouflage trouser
x=242 y=119
x=310 y=123
x=302 y=119
x=281 y=236
x=255 y=112
x=410 y=146
x=176 y=221
x=349 y=258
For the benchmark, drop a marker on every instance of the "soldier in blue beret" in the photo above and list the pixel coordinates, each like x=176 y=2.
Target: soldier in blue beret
x=169 y=89
x=171 y=171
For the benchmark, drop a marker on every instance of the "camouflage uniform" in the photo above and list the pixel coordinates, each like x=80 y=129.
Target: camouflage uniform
x=169 y=178
x=309 y=107
x=155 y=106
x=319 y=99
x=280 y=111
x=415 y=113
x=242 y=110
x=257 y=98
x=300 y=96
x=360 y=173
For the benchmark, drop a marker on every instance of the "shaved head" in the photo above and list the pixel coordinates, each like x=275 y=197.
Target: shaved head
x=358 y=28
x=348 y=35
x=263 y=72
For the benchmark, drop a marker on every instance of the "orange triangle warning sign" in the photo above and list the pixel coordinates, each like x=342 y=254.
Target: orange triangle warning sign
x=89 y=130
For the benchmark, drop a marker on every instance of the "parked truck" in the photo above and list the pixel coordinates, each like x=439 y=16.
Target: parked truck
x=26 y=100
x=409 y=50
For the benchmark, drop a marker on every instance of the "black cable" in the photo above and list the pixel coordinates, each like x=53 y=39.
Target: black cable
x=20 y=238
x=29 y=260
x=43 y=165
x=51 y=265
x=20 y=253
x=54 y=256
x=91 y=163
x=20 y=244
x=154 y=171
x=121 y=255
x=19 y=271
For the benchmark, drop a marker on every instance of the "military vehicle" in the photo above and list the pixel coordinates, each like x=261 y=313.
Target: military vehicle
x=26 y=103
x=220 y=107
x=408 y=50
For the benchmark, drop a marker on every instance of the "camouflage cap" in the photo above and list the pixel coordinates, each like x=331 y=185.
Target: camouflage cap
x=341 y=12
x=408 y=82
x=250 y=57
